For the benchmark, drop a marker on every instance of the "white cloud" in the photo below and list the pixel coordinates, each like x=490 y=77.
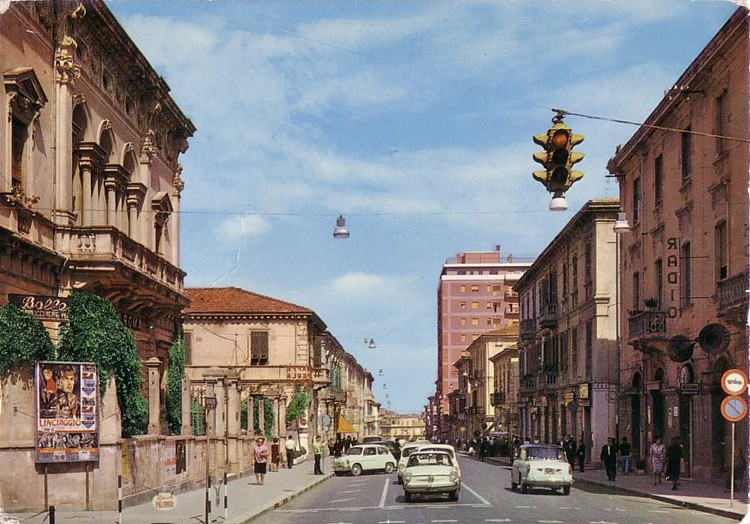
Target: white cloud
x=241 y=226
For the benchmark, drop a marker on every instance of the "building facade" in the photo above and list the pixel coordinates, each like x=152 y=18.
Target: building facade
x=684 y=190
x=397 y=427
x=568 y=348
x=504 y=398
x=475 y=295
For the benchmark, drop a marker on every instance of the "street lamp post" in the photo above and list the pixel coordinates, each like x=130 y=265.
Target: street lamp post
x=209 y=403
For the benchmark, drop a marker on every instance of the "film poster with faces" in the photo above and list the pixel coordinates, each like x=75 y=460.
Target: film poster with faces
x=67 y=412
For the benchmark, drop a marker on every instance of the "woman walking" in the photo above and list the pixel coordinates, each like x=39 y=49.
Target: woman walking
x=657 y=459
x=275 y=454
x=261 y=454
x=674 y=456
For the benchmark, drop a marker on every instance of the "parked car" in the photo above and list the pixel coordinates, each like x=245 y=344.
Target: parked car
x=431 y=473
x=369 y=439
x=392 y=446
x=408 y=449
x=365 y=457
x=540 y=465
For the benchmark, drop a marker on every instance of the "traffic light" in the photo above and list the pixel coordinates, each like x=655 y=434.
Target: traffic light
x=558 y=160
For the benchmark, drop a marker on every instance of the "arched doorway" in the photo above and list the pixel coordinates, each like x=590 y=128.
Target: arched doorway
x=635 y=415
x=719 y=434
x=658 y=405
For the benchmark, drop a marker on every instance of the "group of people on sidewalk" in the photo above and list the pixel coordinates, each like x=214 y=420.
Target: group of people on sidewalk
x=267 y=458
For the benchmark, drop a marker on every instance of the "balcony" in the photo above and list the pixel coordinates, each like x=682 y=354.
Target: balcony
x=99 y=248
x=732 y=298
x=645 y=328
x=528 y=384
x=335 y=395
x=528 y=329
x=549 y=379
x=498 y=398
x=548 y=318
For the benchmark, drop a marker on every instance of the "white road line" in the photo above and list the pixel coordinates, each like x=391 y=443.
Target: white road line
x=445 y=520
x=659 y=511
x=389 y=521
x=497 y=520
x=550 y=521
x=601 y=522
x=477 y=495
x=341 y=500
x=351 y=491
x=385 y=492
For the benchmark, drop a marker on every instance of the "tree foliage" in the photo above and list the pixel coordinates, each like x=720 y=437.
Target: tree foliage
x=175 y=374
x=298 y=405
x=23 y=340
x=94 y=333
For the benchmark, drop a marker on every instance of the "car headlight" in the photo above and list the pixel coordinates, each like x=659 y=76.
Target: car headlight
x=407 y=477
x=453 y=476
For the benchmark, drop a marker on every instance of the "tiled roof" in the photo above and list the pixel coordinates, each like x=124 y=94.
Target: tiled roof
x=232 y=300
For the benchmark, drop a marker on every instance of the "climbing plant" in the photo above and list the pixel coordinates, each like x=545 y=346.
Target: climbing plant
x=23 y=340
x=268 y=421
x=175 y=374
x=297 y=407
x=94 y=333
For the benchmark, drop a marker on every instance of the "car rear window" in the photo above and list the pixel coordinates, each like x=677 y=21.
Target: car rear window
x=544 y=453
x=430 y=459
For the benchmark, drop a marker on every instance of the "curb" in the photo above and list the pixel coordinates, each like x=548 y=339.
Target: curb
x=278 y=502
x=727 y=513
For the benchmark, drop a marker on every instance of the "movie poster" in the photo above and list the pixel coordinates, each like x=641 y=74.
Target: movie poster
x=67 y=412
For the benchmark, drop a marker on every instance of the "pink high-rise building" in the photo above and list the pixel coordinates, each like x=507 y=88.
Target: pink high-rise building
x=475 y=295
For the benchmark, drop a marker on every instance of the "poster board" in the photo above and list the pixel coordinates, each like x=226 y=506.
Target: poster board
x=67 y=412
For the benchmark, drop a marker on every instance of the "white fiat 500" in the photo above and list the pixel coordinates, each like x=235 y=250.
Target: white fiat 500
x=431 y=473
x=365 y=457
x=544 y=466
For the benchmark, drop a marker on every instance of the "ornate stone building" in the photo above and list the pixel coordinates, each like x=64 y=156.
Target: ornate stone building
x=568 y=334
x=396 y=426
x=683 y=180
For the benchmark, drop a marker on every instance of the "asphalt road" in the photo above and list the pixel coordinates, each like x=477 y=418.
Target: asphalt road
x=485 y=498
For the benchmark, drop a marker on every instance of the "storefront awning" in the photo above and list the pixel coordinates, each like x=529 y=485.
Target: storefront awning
x=344 y=426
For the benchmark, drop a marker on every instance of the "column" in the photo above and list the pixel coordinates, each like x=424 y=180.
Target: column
x=276 y=422
x=109 y=187
x=133 y=219
x=220 y=447
x=66 y=72
x=262 y=415
x=233 y=425
x=282 y=416
x=154 y=400
x=250 y=423
x=211 y=415
x=87 y=169
x=174 y=224
x=187 y=426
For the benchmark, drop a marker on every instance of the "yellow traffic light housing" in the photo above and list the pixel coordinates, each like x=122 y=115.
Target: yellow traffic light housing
x=558 y=160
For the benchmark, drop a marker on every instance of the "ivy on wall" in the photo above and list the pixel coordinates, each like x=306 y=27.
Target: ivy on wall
x=175 y=374
x=94 y=333
x=23 y=340
x=267 y=419
x=298 y=405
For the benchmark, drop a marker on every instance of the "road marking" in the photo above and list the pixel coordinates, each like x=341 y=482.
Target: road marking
x=341 y=500
x=389 y=521
x=550 y=521
x=659 y=511
x=352 y=491
x=601 y=522
x=497 y=520
x=445 y=520
x=477 y=495
x=385 y=492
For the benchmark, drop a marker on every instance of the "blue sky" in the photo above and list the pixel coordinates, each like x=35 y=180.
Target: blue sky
x=414 y=120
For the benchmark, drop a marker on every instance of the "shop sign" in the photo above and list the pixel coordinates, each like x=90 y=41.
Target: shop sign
x=583 y=391
x=44 y=308
x=689 y=389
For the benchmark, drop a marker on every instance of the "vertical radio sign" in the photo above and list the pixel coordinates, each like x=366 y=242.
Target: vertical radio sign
x=67 y=412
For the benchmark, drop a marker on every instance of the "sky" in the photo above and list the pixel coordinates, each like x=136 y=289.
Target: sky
x=412 y=119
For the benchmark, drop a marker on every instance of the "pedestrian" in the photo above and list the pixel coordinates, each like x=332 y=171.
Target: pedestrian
x=261 y=454
x=290 y=449
x=318 y=455
x=609 y=458
x=625 y=455
x=481 y=449
x=275 y=454
x=657 y=459
x=570 y=451
x=581 y=454
x=674 y=456
x=331 y=446
x=338 y=447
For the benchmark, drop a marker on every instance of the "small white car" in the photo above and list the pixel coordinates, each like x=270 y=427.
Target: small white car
x=431 y=473
x=450 y=450
x=540 y=465
x=406 y=450
x=365 y=457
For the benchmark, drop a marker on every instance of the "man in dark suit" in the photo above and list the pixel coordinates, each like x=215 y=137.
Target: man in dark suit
x=609 y=458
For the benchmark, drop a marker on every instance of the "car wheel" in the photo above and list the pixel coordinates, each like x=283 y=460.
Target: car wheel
x=521 y=486
x=453 y=496
x=356 y=470
x=513 y=486
x=407 y=496
x=389 y=468
x=400 y=481
x=566 y=490
x=338 y=473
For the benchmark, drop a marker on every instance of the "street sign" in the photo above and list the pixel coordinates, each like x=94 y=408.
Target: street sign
x=734 y=408
x=734 y=382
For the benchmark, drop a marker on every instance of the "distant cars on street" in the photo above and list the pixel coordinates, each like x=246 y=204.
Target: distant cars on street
x=540 y=465
x=365 y=457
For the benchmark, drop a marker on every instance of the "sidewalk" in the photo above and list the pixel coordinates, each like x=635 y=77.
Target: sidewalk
x=245 y=501
x=700 y=496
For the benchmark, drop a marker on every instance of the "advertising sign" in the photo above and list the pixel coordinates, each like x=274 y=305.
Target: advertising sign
x=43 y=308
x=67 y=412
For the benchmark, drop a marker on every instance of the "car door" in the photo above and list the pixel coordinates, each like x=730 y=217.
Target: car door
x=369 y=458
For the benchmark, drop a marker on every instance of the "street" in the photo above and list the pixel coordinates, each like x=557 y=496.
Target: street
x=485 y=497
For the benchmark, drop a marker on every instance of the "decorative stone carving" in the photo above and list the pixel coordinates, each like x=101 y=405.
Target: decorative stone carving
x=149 y=149
x=66 y=69
x=87 y=242
x=177 y=181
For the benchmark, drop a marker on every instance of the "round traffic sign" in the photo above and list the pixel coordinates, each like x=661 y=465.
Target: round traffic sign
x=734 y=382
x=734 y=408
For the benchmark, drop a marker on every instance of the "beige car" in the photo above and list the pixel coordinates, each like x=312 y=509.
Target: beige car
x=407 y=450
x=431 y=473
x=365 y=457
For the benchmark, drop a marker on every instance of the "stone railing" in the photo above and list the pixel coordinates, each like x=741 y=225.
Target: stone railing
x=548 y=315
x=528 y=329
x=107 y=244
x=732 y=292
x=645 y=324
